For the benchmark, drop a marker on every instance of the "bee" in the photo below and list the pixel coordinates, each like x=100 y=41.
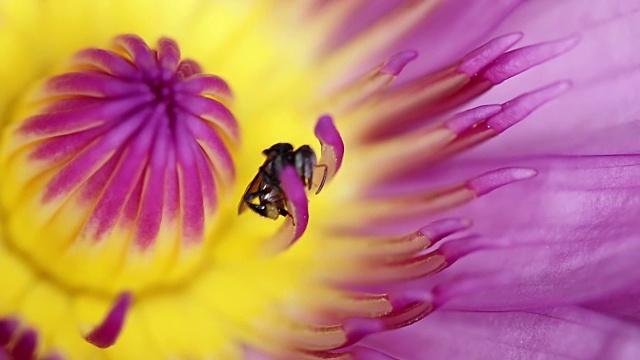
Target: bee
x=265 y=187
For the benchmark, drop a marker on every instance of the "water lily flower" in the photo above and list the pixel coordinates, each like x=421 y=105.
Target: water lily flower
x=473 y=192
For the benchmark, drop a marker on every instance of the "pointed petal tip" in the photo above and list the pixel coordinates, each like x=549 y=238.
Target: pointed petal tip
x=396 y=63
x=479 y=58
x=332 y=144
x=465 y=120
x=440 y=229
x=454 y=250
x=519 y=108
x=297 y=204
x=493 y=180
x=519 y=60
x=107 y=332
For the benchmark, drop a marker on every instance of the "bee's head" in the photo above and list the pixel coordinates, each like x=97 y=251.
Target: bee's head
x=278 y=149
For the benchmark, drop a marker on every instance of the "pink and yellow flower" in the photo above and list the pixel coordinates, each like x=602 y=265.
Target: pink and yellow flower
x=131 y=129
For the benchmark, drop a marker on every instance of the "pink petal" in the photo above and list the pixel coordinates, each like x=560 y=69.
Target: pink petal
x=569 y=235
x=564 y=333
x=604 y=68
x=623 y=304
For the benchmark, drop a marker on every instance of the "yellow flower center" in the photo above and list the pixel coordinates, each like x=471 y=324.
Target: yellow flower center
x=83 y=237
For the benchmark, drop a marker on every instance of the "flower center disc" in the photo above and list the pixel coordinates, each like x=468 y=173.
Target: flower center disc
x=114 y=169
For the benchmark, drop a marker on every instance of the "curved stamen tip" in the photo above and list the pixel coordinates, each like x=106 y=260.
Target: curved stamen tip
x=440 y=229
x=520 y=60
x=463 y=121
x=106 y=333
x=455 y=249
x=479 y=58
x=519 y=108
x=493 y=180
x=408 y=307
x=297 y=204
x=332 y=144
x=395 y=64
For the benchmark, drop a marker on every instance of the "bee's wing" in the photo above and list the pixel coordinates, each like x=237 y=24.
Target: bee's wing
x=254 y=186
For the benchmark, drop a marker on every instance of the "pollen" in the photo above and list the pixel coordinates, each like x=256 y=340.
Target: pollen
x=125 y=153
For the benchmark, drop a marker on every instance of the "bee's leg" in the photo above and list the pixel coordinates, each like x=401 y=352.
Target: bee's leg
x=285 y=213
x=324 y=177
x=263 y=208
x=260 y=209
x=250 y=196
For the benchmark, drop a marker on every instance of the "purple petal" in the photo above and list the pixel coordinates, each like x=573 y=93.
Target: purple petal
x=479 y=58
x=490 y=181
x=396 y=63
x=520 y=60
x=564 y=333
x=440 y=229
x=622 y=304
x=466 y=119
x=604 y=68
x=517 y=109
x=570 y=235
